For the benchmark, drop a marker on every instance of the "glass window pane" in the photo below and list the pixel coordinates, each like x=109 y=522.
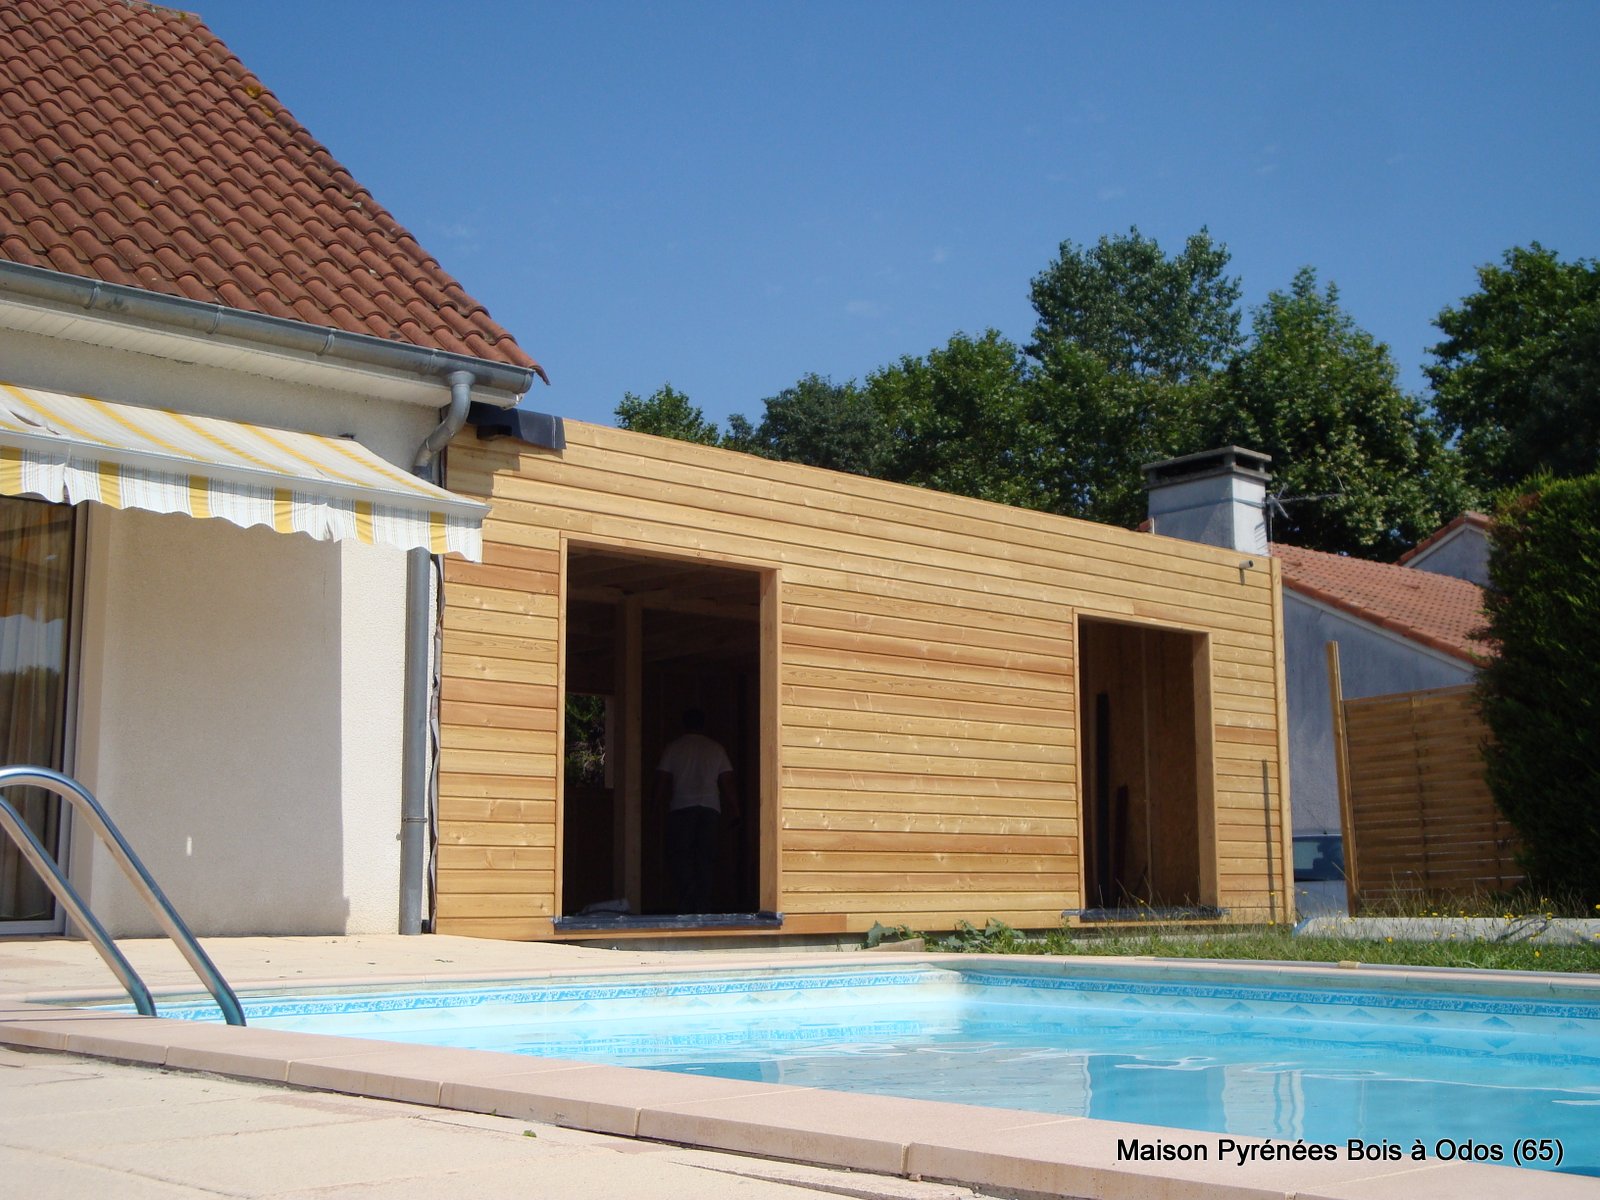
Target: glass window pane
x=35 y=613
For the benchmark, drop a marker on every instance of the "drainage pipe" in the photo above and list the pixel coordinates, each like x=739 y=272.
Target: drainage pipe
x=415 y=757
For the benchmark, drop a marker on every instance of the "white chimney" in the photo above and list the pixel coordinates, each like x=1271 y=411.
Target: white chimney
x=1217 y=497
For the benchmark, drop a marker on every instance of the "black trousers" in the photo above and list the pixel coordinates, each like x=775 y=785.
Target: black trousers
x=692 y=855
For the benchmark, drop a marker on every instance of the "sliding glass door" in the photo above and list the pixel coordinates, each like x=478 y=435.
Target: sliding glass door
x=36 y=556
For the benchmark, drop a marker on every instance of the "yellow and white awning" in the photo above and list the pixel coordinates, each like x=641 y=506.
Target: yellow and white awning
x=74 y=448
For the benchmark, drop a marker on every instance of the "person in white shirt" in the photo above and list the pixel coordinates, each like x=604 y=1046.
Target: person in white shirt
x=695 y=781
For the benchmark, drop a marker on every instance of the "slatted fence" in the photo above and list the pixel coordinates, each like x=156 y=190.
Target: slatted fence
x=1422 y=821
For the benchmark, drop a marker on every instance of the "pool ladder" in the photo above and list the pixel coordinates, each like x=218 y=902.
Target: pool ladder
x=89 y=810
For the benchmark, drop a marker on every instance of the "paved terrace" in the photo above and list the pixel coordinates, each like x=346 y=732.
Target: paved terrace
x=134 y=1107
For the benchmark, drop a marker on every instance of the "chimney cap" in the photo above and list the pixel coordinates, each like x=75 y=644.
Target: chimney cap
x=1224 y=460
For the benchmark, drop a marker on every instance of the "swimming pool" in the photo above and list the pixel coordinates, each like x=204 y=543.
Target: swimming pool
x=1387 y=1060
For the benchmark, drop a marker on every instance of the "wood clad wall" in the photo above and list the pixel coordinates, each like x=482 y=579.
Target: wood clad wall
x=927 y=714
x=1423 y=821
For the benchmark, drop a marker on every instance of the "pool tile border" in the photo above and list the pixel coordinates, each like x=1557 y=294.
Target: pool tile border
x=1279 y=994
x=1073 y=967
x=734 y=978
x=733 y=981
x=1025 y=1152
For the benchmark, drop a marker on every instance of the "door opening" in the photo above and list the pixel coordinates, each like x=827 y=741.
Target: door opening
x=1149 y=833
x=647 y=640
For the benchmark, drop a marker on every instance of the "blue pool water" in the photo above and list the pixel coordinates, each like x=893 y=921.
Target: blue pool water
x=1323 y=1060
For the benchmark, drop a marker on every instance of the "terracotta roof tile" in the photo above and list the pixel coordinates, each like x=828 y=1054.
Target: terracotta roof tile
x=139 y=150
x=231 y=294
x=1437 y=610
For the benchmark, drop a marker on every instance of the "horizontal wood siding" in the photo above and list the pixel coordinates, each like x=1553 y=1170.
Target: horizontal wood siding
x=1424 y=822
x=927 y=712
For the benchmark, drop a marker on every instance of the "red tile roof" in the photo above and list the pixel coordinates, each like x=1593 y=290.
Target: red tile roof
x=1436 y=610
x=135 y=148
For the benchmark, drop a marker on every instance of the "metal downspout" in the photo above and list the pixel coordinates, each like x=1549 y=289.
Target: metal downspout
x=416 y=757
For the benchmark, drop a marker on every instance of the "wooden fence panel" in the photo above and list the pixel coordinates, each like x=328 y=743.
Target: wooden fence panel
x=1422 y=823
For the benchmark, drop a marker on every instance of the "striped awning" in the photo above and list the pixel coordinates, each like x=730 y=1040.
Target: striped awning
x=69 y=449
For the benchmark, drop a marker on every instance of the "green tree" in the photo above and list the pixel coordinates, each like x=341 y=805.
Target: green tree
x=666 y=412
x=962 y=419
x=1127 y=344
x=1540 y=693
x=1102 y=425
x=1137 y=310
x=741 y=435
x=816 y=422
x=1562 y=425
x=1514 y=378
x=1321 y=396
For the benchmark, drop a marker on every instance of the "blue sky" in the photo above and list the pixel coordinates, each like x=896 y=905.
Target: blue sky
x=729 y=196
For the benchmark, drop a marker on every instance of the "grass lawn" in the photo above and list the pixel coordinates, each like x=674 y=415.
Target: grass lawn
x=1274 y=943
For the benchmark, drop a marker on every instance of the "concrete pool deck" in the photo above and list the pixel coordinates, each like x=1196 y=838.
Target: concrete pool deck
x=990 y=1150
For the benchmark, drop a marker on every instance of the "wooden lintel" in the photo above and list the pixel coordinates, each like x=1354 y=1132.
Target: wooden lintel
x=668 y=601
x=596 y=595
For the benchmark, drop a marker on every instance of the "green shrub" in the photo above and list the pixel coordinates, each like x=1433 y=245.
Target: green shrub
x=880 y=934
x=1540 y=694
x=996 y=937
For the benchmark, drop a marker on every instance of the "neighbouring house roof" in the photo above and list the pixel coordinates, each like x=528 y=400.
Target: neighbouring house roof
x=1436 y=610
x=135 y=148
x=1473 y=520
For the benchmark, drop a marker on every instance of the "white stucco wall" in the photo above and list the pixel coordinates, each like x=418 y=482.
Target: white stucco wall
x=372 y=602
x=241 y=691
x=240 y=717
x=1463 y=555
x=1372 y=662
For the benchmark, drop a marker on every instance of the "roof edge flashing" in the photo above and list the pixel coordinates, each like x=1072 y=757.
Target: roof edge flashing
x=181 y=316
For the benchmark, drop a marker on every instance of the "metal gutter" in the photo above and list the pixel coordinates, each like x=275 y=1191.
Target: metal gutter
x=179 y=314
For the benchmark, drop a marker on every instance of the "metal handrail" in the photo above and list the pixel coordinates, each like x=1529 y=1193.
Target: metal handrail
x=33 y=850
x=105 y=829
